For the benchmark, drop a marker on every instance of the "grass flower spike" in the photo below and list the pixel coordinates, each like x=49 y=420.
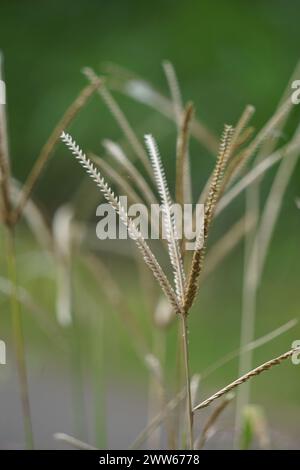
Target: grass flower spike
x=135 y=234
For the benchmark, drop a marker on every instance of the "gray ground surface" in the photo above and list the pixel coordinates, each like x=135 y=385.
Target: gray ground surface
x=126 y=411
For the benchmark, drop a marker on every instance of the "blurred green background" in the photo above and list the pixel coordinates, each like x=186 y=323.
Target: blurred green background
x=226 y=54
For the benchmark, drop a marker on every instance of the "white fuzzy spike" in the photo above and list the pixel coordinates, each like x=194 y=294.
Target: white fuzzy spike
x=135 y=234
x=169 y=218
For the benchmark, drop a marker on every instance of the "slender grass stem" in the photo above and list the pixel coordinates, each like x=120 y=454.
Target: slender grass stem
x=77 y=377
x=19 y=346
x=50 y=145
x=250 y=290
x=157 y=395
x=179 y=384
x=97 y=340
x=189 y=405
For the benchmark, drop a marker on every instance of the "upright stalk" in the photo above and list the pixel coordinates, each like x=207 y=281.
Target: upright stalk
x=17 y=328
x=77 y=378
x=189 y=405
x=157 y=395
x=6 y=212
x=249 y=306
x=97 y=343
x=179 y=384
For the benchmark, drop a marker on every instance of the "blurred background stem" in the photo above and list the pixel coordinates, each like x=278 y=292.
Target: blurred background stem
x=18 y=336
x=99 y=381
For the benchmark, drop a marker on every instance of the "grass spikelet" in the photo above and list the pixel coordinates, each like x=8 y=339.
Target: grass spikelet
x=169 y=218
x=211 y=202
x=214 y=190
x=244 y=378
x=135 y=234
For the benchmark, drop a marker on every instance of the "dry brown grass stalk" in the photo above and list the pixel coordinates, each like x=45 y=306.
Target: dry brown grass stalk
x=207 y=430
x=212 y=199
x=136 y=235
x=233 y=156
x=140 y=90
x=176 y=401
x=11 y=263
x=253 y=373
x=50 y=145
x=261 y=137
x=183 y=177
x=120 y=118
x=73 y=441
x=174 y=90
